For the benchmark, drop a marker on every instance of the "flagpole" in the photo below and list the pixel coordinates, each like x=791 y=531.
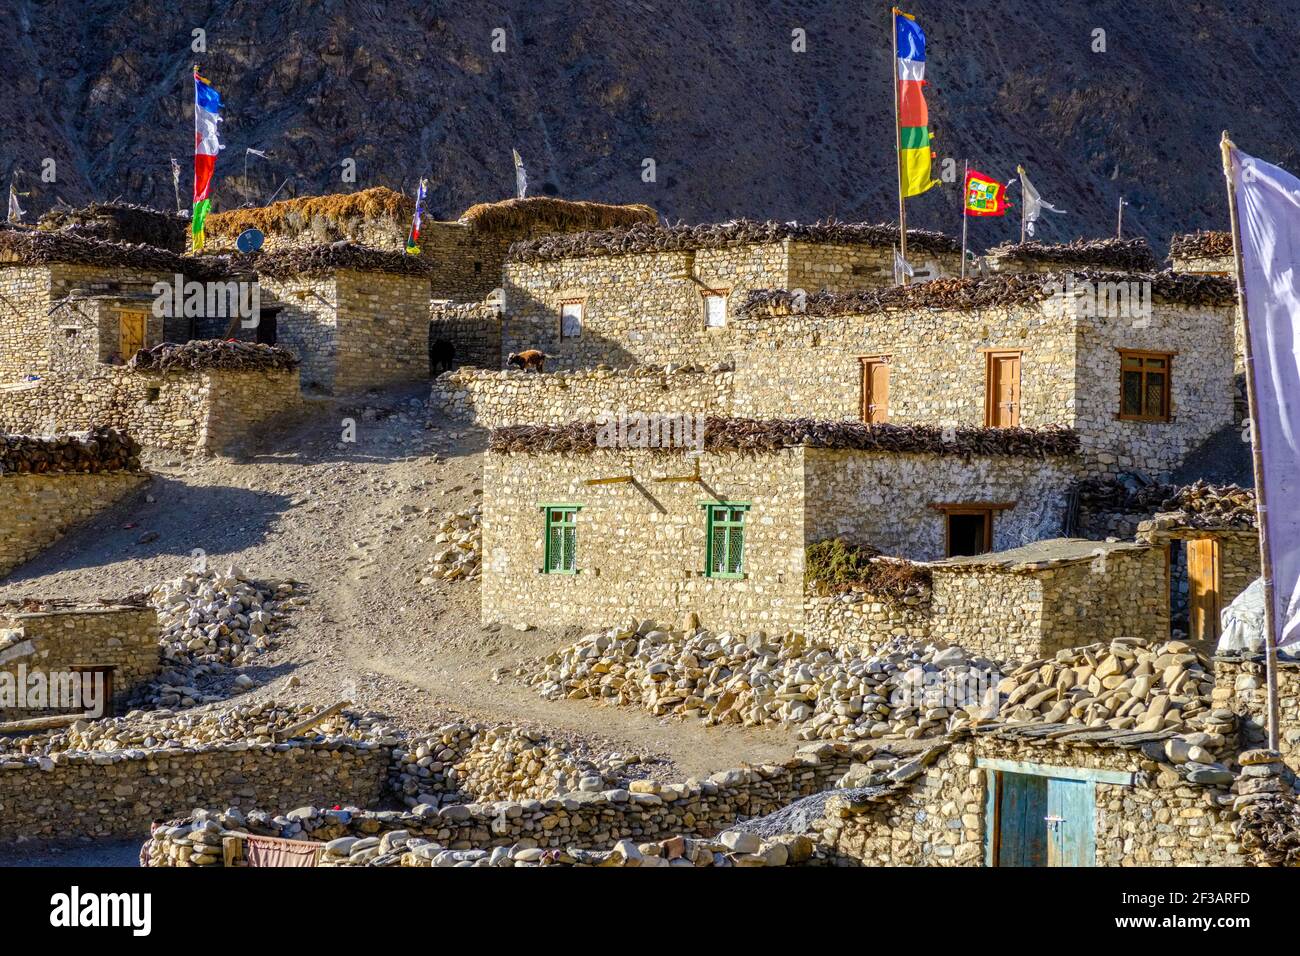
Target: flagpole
x=1119 y=228
x=965 y=171
x=898 y=140
x=1256 y=453
x=1023 y=206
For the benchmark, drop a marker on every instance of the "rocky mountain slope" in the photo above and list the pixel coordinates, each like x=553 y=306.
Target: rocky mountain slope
x=736 y=122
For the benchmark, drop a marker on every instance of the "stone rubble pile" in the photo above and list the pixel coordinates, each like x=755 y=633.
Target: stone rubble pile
x=461 y=534
x=160 y=730
x=1127 y=684
x=461 y=763
x=730 y=848
x=846 y=693
x=210 y=622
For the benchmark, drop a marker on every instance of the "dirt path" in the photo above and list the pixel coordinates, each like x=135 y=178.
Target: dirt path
x=355 y=522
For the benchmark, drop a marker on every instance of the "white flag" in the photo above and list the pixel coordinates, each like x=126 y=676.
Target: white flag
x=255 y=152
x=1033 y=203
x=901 y=267
x=521 y=177
x=16 y=212
x=1268 y=219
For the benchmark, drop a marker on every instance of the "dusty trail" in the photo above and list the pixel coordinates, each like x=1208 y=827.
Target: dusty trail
x=356 y=523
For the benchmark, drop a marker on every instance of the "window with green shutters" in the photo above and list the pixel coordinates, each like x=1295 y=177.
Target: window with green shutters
x=561 y=539
x=725 y=541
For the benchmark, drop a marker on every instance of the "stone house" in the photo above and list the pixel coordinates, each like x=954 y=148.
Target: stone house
x=660 y=294
x=115 y=644
x=577 y=533
x=1207 y=253
x=1139 y=365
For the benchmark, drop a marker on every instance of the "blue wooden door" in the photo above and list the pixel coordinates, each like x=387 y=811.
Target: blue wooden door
x=1022 y=829
x=1071 y=835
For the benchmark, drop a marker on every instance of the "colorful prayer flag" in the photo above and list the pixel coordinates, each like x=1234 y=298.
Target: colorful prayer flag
x=914 y=153
x=207 y=114
x=985 y=196
x=413 y=240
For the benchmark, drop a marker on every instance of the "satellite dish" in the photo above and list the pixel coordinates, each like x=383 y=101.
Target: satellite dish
x=250 y=240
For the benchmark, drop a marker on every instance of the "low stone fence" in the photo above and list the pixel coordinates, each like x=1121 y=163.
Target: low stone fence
x=645 y=810
x=1241 y=685
x=120 y=793
x=196 y=412
x=37 y=510
x=119 y=639
x=496 y=399
x=857 y=618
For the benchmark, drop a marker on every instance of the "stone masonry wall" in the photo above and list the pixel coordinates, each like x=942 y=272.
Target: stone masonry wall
x=858 y=619
x=1023 y=615
x=472 y=328
x=641 y=546
x=382 y=328
x=119 y=794
x=124 y=638
x=495 y=399
x=307 y=324
x=1241 y=685
x=195 y=412
x=37 y=510
x=884 y=500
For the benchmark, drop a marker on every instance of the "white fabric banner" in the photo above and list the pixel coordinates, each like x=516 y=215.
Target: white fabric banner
x=521 y=177
x=1033 y=202
x=1268 y=218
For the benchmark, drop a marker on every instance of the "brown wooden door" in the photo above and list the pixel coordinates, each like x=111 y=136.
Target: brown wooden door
x=875 y=390
x=131 y=331
x=1003 y=398
x=1203 y=595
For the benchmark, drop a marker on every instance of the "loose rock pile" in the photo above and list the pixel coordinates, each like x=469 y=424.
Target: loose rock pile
x=1128 y=684
x=210 y=622
x=845 y=693
x=462 y=535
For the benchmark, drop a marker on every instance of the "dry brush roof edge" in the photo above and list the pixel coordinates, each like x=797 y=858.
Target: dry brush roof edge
x=749 y=435
x=651 y=237
x=1128 y=255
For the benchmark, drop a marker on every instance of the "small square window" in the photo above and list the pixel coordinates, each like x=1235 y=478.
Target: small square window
x=725 y=540
x=1144 y=393
x=715 y=310
x=571 y=314
x=151 y=394
x=561 y=539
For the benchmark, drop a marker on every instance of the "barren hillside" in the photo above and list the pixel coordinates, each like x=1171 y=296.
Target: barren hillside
x=736 y=122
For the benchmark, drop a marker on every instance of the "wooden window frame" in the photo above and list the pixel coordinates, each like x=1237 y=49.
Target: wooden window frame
x=569 y=520
x=581 y=302
x=729 y=527
x=1167 y=398
x=988 y=509
x=990 y=400
x=725 y=296
x=863 y=362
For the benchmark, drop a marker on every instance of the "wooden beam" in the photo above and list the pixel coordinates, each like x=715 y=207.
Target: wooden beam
x=294 y=729
x=42 y=723
x=620 y=480
x=691 y=477
x=1120 y=777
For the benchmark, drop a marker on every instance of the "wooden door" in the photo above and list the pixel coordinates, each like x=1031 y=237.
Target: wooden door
x=1203 y=594
x=1071 y=836
x=132 y=329
x=1002 y=400
x=875 y=390
x=1021 y=826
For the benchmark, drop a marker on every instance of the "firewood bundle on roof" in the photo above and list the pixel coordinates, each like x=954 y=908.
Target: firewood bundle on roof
x=650 y=237
x=120 y=222
x=1122 y=255
x=202 y=354
x=1201 y=245
x=769 y=435
x=323 y=260
x=99 y=450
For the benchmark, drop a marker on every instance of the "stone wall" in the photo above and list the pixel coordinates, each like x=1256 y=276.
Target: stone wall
x=1241 y=685
x=641 y=546
x=472 y=328
x=118 y=794
x=37 y=510
x=647 y=810
x=858 y=618
x=648 y=308
x=60 y=638
x=886 y=500
x=496 y=399
x=1014 y=608
x=198 y=412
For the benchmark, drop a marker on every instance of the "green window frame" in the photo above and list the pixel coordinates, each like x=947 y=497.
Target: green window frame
x=561 y=541
x=724 y=540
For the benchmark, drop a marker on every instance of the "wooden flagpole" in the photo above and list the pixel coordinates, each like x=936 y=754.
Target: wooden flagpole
x=898 y=140
x=1256 y=453
x=1119 y=227
x=965 y=171
x=1023 y=207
